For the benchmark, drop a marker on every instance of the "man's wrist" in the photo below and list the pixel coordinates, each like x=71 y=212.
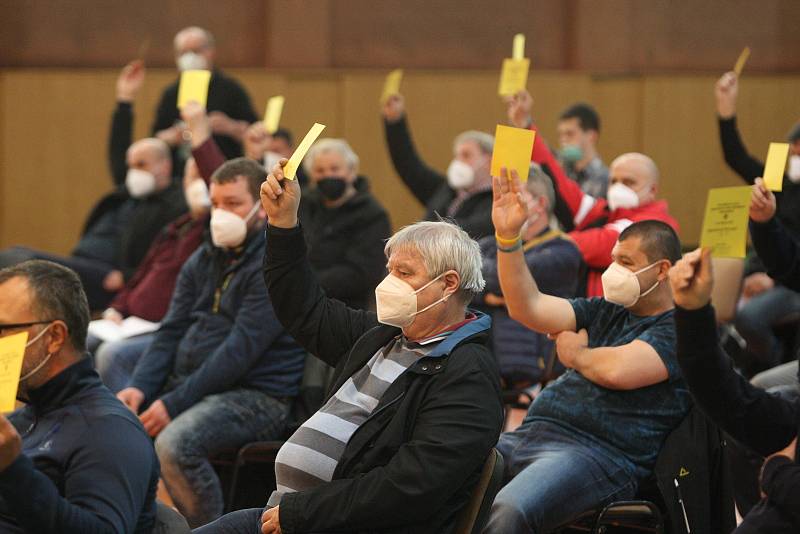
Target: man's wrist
x=284 y=223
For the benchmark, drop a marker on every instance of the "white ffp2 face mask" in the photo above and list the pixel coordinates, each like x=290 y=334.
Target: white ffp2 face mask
x=794 y=169
x=460 y=175
x=228 y=230
x=197 y=195
x=396 y=301
x=191 y=61
x=140 y=183
x=621 y=196
x=621 y=285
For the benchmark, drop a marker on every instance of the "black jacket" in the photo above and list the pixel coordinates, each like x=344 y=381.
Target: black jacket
x=411 y=466
x=87 y=466
x=430 y=187
x=779 y=251
x=762 y=421
x=345 y=244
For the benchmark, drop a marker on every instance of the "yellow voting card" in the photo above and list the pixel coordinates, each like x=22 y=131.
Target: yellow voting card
x=193 y=86
x=514 y=76
x=739 y=67
x=725 y=222
x=776 y=164
x=12 y=350
x=518 y=50
x=272 y=116
x=391 y=86
x=290 y=170
x=512 y=150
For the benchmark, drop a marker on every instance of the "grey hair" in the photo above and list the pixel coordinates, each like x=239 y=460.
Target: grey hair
x=540 y=185
x=57 y=294
x=484 y=141
x=330 y=144
x=210 y=41
x=154 y=145
x=443 y=246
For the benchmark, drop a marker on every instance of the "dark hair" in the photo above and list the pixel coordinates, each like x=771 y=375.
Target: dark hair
x=57 y=295
x=794 y=134
x=231 y=170
x=286 y=135
x=659 y=240
x=588 y=119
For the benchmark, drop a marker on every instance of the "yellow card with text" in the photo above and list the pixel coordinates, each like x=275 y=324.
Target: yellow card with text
x=12 y=351
x=775 y=165
x=739 y=67
x=725 y=221
x=514 y=76
x=391 y=86
x=290 y=170
x=272 y=116
x=193 y=86
x=512 y=149
x=518 y=50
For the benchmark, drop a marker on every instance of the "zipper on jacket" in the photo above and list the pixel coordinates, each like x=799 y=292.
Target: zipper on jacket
x=218 y=292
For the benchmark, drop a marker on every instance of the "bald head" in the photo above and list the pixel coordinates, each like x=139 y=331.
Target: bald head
x=152 y=155
x=637 y=172
x=194 y=36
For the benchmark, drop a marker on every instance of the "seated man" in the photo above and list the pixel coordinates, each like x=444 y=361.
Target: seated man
x=555 y=264
x=765 y=422
x=147 y=295
x=415 y=405
x=578 y=130
x=228 y=103
x=464 y=194
x=84 y=462
x=221 y=370
x=596 y=224
x=592 y=435
x=124 y=223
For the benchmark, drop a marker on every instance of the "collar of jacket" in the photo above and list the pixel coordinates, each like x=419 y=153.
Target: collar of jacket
x=58 y=391
x=482 y=323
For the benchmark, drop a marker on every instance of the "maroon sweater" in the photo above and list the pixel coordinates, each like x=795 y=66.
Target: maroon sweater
x=148 y=293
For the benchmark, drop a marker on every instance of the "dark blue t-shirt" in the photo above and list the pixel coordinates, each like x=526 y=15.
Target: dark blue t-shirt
x=632 y=422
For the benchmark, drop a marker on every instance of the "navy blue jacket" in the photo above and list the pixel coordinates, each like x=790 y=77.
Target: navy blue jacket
x=87 y=466
x=220 y=333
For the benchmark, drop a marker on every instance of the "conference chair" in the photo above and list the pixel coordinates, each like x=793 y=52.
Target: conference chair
x=475 y=515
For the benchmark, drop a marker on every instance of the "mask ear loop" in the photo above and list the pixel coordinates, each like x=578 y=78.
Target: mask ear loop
x=652 y=288
x=429 y=306
x=43 y=362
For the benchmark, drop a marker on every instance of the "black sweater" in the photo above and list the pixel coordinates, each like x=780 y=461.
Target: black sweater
x=430 y=187
x=749 y=168
x=762 y=421
x=779 y=252
x=87 y=466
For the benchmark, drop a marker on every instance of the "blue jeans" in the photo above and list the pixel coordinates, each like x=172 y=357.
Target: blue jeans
x=756 y=319
x=554 y=476
x=218 y=422
x=116 y=360
x=238 y=522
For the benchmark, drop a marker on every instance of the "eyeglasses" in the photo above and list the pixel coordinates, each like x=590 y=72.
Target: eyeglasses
x=20 y=325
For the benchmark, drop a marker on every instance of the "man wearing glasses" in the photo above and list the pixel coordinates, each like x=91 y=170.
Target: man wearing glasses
x=74 y=459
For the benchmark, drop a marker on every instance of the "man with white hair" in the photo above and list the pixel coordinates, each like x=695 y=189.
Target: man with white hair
x=464 y=193
x=414 y=409
x=229 y=107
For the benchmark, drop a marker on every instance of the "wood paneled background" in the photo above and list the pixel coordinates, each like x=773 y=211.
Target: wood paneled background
x=649 y=68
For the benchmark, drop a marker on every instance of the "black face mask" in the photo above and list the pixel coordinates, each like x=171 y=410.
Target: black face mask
x=332 y=187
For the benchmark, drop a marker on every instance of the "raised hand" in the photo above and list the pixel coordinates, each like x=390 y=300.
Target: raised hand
x=130 y=80
x=394 y=108
x=692 y=279
x=519 y=109
x=762 y=203
x=727 y=90
x=197 y=122
x=280 y=197
x=509 y=206
x=256 y=141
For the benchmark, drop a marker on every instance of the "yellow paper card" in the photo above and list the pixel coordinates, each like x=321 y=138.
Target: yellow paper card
x=512 y=150
x=272 y=116
x=518 y=50
x=391 y=86
x=776 y=164
x=12 y=351
x=725 y=222
x=514 y=76
x=193 y=86
x=741 y=61
x=290 y=170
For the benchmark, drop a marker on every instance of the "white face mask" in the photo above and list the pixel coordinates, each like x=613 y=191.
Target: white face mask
x=397 y=301
x=38 y=368
x=270 y=160
x=228 y=230
x=191 y=61
x=794 y=169
x=197 y=195
x=460 y=175
x=621 y=286
x=621 y=196
x=140 y=183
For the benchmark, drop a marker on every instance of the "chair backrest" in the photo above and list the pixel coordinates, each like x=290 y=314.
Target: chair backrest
x=728 y=274
x=169 y=521
x=476 y=513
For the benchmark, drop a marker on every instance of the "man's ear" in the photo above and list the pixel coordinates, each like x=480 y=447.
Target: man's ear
x=452 y=281
x=58 y=337
x=663 y=270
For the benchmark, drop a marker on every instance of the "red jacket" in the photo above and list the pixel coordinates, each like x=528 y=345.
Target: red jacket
x=596 y=227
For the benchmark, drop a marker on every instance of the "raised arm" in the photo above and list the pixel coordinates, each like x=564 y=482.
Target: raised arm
x=778 y=250
x=525 y=303
x=129 y=83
